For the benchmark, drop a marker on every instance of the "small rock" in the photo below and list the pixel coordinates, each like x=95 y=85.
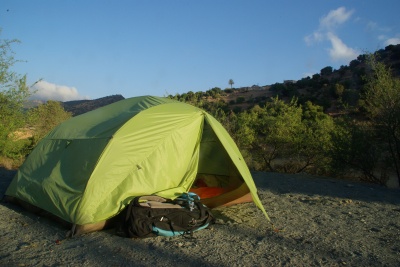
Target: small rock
x=220 y=221
x=375 y=230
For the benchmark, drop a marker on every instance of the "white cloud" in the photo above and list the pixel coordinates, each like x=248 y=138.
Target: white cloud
x=373 y=26
x=50 y=91
x=339 y=50
x=388 y=41
x=315 y=37
x=383 y=34
x=392 y=41
x=325 y=32
x=382 y=37
x=335 y=18
x=327 y=24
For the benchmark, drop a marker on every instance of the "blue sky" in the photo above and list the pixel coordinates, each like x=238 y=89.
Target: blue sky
x=91 y=49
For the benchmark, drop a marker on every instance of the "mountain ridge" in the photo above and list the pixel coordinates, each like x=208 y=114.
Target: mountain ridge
x=77 y=107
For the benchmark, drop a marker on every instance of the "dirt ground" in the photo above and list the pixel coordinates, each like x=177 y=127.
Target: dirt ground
x=317 y=222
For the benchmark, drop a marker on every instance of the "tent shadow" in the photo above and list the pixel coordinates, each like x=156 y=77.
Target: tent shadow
x=269 y=248
x=106 y=247
x=158 y=251
x=6 y=176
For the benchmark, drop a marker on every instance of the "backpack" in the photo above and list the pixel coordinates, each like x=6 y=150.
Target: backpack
x=147 y=216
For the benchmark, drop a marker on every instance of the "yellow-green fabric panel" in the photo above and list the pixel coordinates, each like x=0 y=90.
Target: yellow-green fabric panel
x=213 y=157
x=237 y=158
x=150 y=153
x=191 y=171
x=55 y=174
x=105 y=121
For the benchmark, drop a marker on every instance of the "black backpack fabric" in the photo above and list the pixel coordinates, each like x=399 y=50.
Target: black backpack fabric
x=148 y=216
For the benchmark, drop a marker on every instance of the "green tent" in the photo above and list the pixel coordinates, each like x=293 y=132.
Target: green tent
x=87 y=169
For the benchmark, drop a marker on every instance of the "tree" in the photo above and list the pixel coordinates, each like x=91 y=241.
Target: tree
x=326 y=71
x=278 y=131
x=354 y=63
x=45 y=117
x=286 y=137
x=316 y=77
x=356 y=150
x=382 y=102
x=240 y=99
x=339 y=89
x=13 y=93
x=316 y=139
x=231 y=82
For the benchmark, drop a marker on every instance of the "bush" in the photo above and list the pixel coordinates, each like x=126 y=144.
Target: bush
x=240 y=100
x=45 y=117
x=17 y=150
x=13 y=93
x=285 y=137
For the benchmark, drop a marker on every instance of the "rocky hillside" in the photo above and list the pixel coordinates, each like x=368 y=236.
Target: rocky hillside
x=333 y=89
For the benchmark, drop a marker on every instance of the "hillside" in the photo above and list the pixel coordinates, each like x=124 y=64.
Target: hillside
x=332 y=89
x=78 y=107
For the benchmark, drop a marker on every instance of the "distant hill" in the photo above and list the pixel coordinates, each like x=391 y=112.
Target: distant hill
x=33 y=104
x=78 y=107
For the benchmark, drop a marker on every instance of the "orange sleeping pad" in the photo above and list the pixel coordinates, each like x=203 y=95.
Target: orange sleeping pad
x=208 y=192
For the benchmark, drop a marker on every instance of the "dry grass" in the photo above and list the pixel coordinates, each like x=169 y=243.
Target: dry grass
x=23 y=133
x=10 y=164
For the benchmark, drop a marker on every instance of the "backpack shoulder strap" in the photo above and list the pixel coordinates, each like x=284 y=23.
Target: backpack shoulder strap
x=155 y=202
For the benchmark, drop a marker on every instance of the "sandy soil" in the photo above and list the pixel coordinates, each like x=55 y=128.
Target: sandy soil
x=318 y=222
